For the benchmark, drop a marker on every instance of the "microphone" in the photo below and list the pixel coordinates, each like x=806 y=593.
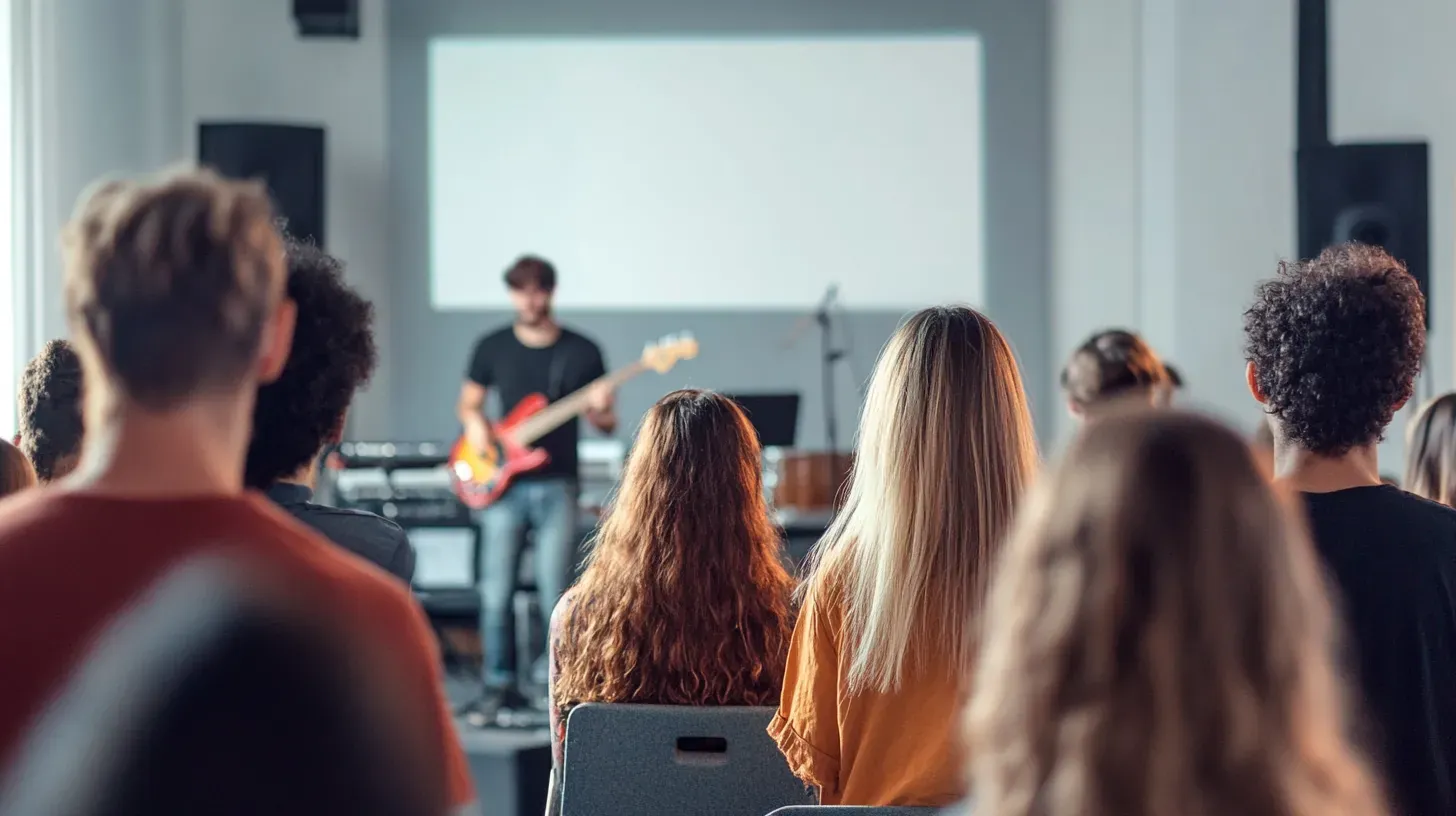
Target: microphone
x=819 y=315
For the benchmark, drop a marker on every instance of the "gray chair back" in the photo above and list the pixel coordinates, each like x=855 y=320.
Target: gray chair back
x=848 y=810
x=638 y=760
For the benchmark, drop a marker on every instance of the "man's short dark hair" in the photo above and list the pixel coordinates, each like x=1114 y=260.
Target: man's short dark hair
x=1336 y=344
x=50 y=409
x=333 y=355
x=530 y=271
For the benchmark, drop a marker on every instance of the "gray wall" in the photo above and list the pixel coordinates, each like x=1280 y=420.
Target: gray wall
x=741 y=352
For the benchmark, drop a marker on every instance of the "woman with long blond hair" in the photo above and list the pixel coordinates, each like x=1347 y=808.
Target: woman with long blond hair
x=1430 y=451
x=685 y=599
x=1158 y=642
x=887 y=634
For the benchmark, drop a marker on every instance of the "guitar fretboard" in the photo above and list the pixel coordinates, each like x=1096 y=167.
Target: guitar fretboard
x=570 y=406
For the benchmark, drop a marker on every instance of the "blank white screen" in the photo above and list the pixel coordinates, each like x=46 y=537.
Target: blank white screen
x=708 y=174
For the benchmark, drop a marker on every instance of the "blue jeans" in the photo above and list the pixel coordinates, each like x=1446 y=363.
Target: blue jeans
x=549 y=508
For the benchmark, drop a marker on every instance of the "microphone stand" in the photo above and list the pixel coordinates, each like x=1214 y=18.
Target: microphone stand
x=829 y=357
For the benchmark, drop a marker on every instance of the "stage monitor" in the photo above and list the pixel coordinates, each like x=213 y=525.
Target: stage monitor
x=714 y=173
x=774 y=416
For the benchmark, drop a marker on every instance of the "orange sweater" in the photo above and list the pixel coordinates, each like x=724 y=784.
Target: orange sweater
x=872 y=748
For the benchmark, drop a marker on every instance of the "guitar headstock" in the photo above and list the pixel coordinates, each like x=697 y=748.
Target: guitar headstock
x=662 y=355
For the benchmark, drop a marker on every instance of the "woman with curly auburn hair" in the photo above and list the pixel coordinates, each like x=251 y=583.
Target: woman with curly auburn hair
x=887 y=635
x=1158 y=642
x=684 y=599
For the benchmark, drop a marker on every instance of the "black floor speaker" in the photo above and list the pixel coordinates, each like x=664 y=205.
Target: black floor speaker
x=289 y=159
x=1375 y=193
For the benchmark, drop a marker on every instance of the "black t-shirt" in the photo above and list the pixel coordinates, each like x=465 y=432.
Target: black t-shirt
x=374 y=538
x=515 y=370
x=1392 y=558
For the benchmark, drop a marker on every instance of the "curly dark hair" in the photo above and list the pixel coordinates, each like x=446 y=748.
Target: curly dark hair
x=333 y=355
x=1336 y=344
x=50 y=410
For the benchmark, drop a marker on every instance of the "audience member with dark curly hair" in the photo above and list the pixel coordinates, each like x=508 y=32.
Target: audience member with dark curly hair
x=50 y=411
x=303 y=411
x=1334 y=346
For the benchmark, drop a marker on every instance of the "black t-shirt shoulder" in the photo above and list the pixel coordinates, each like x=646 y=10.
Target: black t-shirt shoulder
x=480 y=370
x=1391 y=556
x=374 y=538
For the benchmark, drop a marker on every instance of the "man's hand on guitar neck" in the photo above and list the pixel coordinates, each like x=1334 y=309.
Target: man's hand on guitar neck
x=601 y=397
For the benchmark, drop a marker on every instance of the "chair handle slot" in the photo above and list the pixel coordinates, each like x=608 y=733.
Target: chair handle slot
x=701 y=751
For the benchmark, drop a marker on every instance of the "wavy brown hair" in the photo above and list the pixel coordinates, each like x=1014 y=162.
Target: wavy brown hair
x=685 y=599
x=1158 y=642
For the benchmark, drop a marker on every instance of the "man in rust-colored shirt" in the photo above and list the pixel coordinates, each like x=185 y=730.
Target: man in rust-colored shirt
x=174 y=291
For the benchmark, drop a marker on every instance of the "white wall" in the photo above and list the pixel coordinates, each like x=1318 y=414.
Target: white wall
x=243 y=60
x=1096 y=171
x=1234 y=179
x=1173 y=181
x=1392 y=74
x=100 y=99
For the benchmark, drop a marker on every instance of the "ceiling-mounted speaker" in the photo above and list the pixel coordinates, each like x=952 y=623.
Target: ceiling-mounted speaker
x=327 y=18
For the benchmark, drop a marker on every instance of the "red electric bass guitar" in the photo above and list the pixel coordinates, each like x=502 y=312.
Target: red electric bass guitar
x=480 y=477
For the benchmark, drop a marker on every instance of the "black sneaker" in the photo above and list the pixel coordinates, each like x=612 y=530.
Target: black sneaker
x=486 y=710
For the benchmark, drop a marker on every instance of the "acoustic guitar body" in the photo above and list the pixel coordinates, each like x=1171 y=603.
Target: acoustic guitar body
x=480 y=477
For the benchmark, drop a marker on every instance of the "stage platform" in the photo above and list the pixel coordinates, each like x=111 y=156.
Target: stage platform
x=511 y=769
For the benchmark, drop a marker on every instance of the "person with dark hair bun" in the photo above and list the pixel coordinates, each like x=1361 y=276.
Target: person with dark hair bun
x=1113 y=365
x=1333 y=347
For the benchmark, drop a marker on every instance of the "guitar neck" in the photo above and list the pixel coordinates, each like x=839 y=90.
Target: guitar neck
x=570 y=406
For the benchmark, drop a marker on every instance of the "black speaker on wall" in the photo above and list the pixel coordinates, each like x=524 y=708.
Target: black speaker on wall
x=287 y=158
x=327 y=18
x=1377 y=193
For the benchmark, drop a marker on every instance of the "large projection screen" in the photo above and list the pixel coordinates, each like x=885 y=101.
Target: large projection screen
x=708 y=174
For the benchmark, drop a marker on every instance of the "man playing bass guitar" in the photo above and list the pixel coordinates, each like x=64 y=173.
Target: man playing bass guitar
x=535 y=355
